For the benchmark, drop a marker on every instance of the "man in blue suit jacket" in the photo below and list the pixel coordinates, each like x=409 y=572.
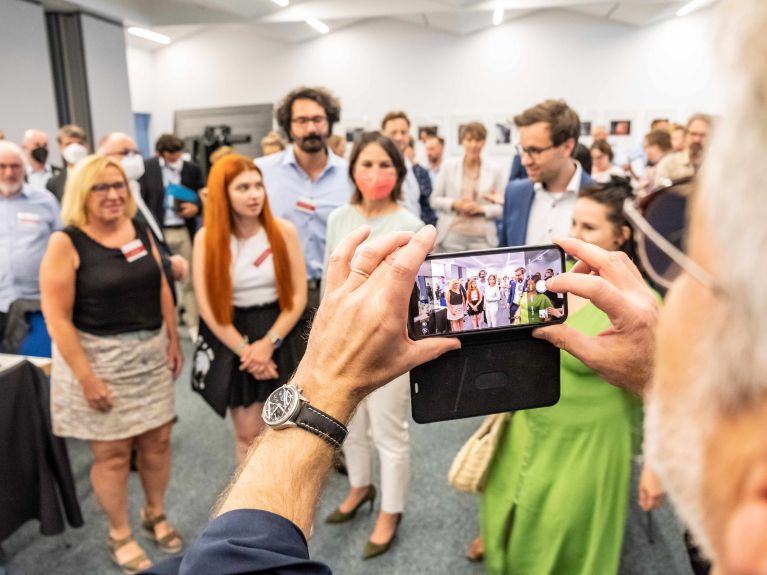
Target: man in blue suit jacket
x=539 y=207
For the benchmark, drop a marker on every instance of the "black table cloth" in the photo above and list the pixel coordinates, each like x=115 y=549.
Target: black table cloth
x=35 y=477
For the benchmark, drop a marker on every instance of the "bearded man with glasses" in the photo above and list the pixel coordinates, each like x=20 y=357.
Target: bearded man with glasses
x=307 y=181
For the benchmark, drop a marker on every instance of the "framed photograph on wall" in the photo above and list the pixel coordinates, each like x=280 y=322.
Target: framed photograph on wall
x=501 y=132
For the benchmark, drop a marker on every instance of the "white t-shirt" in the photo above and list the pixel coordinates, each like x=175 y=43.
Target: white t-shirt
x=253 y=279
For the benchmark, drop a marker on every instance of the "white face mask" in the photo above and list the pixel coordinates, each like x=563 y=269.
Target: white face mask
x=73 y=153
x=177 y=165
x=133 y=166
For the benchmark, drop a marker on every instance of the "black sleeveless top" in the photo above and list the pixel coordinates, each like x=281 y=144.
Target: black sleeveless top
x=113 y=295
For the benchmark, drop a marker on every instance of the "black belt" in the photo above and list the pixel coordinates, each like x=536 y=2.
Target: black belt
x=175 y=227
x=313 y=284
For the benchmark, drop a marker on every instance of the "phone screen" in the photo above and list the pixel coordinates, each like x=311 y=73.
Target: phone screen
x=486 y=291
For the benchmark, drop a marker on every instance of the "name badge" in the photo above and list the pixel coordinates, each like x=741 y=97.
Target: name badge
x=306 y=205
x=28 y=218
x=133 y=251
x=262 y=258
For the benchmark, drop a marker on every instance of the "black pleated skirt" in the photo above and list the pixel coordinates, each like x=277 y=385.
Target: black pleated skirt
x=255 y=322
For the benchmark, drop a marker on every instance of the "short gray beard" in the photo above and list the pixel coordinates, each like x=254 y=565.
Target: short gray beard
x=8 y=190
x=675 y=438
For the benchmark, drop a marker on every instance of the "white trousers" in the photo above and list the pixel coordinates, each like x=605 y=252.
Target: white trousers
x=491 y=313
x=384 y=416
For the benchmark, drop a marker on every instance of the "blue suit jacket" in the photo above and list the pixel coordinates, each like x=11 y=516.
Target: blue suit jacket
x=516 y=210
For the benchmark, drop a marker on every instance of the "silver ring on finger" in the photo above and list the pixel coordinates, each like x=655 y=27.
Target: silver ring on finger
x=362 y=273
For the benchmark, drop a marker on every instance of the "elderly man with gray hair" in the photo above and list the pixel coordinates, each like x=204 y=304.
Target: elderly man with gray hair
x=706 y=424
x=29 y=216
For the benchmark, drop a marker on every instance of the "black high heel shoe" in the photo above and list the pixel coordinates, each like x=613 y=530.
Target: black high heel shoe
x=339 y=516
x=374 y=549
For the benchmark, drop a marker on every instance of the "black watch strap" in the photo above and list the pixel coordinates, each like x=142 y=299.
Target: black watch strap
x=312 y=419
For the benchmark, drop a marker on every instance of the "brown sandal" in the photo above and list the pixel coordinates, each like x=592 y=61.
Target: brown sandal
x=132 y=566
x=162 y=542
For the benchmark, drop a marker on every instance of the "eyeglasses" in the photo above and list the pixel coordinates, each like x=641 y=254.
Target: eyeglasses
x=104 y=188
x=303 y=120
x=13 y=167
x=660 y=224
x=532 y=151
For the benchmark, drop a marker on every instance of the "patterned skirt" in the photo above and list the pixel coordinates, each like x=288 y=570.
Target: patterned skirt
x=134 y=366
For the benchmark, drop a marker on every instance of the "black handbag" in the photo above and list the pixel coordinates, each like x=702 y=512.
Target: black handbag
x=212 y=365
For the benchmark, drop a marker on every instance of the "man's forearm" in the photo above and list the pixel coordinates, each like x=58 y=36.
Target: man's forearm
x=285 y=469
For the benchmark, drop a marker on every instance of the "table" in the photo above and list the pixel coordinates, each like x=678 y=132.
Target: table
x=35 y=475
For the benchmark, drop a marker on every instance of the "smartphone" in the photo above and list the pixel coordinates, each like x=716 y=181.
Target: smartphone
x=487 y=291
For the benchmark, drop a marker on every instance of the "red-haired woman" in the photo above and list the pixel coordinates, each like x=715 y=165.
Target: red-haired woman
x=250 y=282
x=476 y=303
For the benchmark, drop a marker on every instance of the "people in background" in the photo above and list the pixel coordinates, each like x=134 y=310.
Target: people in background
x=657 y=145
x=466 y=217
x=435 y=153
x=416 y=190
x=687 y=162
x=250 y=281
x=678 y=135
x=73 y=143
x=602 y=167
x=29 y=217
x=337 y=145
x=170 y=187
x=492 y=298
x=116 y=351
x=590 y=437
x=123 y=149
x=272 y=143
x=305 y=181
x=540 y=207
x=35 y=146
x=378 y=171
x=456 y=305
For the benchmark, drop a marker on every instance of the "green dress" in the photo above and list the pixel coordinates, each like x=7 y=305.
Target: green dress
x=531 y=313
x=557 y=492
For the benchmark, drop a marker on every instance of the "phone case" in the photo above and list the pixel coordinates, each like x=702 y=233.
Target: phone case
x=491 y=373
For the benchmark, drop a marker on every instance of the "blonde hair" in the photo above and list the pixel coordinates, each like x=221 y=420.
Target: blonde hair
x=79 y=183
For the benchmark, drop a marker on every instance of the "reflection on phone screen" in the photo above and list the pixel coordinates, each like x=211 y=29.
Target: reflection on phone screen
x=485 y=291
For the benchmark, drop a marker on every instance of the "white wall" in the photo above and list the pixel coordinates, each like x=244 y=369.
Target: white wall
x=604 y=70
x=26 y=91
x=141 y=75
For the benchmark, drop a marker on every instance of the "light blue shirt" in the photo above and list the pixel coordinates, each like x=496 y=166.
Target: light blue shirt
x=306 y=203
x=27 y=221
x=170 y=176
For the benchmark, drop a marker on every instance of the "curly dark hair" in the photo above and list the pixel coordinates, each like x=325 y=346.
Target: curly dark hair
x=322 y=96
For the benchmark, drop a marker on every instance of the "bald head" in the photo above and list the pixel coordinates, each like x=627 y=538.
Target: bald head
x=599 y=133
x=117 y=144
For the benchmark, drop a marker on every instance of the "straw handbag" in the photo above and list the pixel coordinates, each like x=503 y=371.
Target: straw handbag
x=469 y=469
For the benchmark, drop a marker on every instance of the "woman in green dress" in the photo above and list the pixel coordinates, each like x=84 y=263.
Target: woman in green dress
x=534 y=307
x=557 y=492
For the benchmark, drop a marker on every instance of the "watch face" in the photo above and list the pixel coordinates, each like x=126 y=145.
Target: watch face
x=280 y=405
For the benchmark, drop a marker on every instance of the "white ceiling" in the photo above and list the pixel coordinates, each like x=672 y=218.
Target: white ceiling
x=179 y=18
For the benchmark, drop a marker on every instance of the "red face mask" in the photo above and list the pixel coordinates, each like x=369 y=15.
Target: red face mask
x=376 y=184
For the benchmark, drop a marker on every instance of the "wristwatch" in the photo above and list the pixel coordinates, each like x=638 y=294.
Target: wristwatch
x=287 y=407
x=275 y=338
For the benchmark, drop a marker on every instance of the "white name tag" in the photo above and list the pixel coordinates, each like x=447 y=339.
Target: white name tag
x=133 y=251
x=306 y=205
x=28 y=218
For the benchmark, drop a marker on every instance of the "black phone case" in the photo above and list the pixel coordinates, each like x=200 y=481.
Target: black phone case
x=494 y=373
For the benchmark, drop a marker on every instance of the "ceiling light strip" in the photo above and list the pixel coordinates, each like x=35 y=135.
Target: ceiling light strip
x=149 y=35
